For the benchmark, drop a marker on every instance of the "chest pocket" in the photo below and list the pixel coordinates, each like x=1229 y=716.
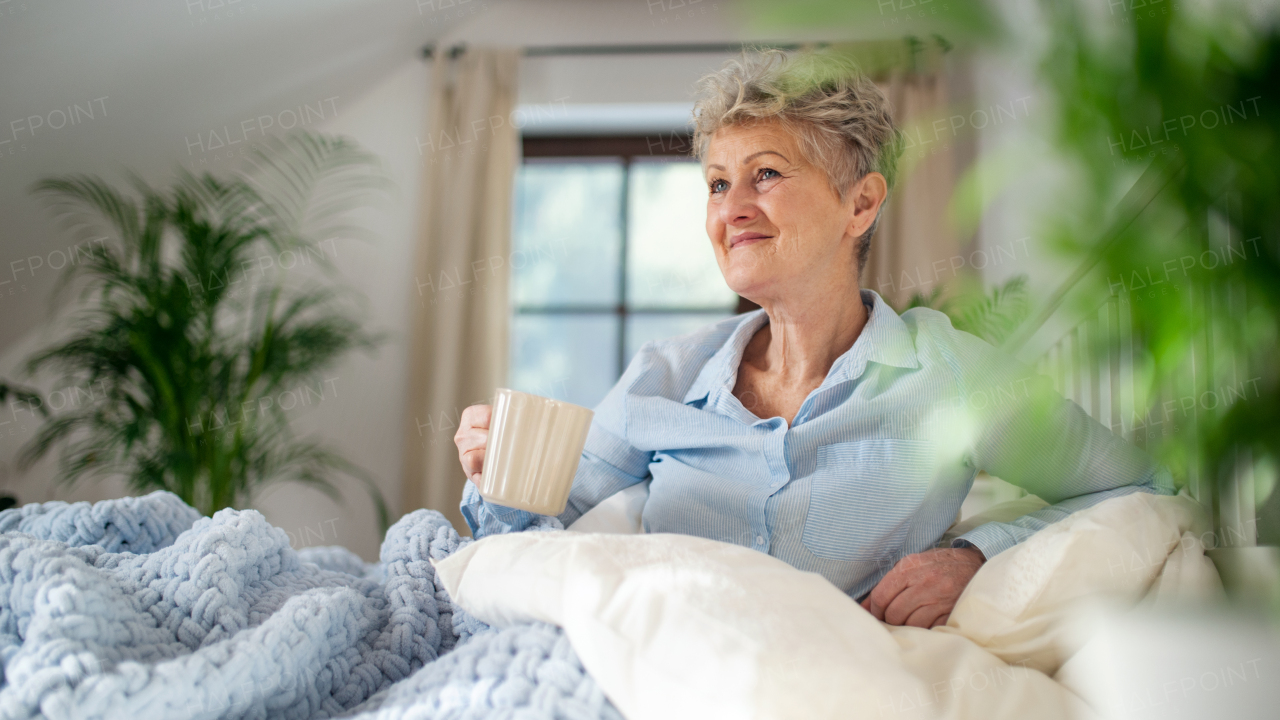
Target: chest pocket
x=864 y=495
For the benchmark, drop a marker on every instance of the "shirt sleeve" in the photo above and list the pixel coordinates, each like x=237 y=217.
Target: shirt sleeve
x=609 y=463
x=1027 y=434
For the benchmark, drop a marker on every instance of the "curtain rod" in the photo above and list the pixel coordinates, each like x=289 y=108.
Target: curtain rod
x=429 y=51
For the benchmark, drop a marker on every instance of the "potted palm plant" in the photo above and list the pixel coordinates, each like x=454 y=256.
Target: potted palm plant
x=193 y=323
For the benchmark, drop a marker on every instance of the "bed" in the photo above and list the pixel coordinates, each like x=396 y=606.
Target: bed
x=141 y=608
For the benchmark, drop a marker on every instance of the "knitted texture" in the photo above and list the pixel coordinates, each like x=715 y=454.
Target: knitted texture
x=137 y=525
x=525 y=671
x=113 y=610
x=340 y=559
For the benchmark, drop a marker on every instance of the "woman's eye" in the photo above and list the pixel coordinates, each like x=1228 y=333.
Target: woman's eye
x=718 y=186
x=767 y=173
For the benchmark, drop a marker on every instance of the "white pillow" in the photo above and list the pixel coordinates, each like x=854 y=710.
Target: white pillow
x=1021 y=604
x=676 y=626
x=619 y=514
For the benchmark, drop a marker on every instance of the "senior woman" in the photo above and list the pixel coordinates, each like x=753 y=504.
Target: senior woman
x=823 y=428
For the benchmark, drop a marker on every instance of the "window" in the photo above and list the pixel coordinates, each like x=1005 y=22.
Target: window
x=609 y=251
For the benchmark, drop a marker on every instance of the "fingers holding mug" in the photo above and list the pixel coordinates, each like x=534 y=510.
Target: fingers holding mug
x=473 y=433
x=473 y=463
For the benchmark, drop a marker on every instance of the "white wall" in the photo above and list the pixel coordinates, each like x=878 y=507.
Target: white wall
x=620 y=79
x=363 y=417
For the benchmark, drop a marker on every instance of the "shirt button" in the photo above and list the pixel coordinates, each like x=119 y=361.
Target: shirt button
x=759 y=539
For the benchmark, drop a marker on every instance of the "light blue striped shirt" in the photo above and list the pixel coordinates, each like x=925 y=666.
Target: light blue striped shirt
x=875 y=464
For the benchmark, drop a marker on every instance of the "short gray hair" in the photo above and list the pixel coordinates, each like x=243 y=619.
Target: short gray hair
x=843 y=122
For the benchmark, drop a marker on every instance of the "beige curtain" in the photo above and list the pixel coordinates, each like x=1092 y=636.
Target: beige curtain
x=458 y=337
x=914 y=247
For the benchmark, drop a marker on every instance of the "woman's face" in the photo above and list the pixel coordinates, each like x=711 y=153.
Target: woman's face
x=775 y=223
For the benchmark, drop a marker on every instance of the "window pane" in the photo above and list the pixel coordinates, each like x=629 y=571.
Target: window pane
x=567 y=233
x=643 y=328
x=670 y=262
x=571 y=357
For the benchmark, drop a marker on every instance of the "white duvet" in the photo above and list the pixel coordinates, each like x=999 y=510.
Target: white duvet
x=674 y=626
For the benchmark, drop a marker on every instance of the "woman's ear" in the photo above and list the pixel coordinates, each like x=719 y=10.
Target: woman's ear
x=867 y=195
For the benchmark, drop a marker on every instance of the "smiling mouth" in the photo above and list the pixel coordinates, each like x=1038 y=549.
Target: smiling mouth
x=746 y=239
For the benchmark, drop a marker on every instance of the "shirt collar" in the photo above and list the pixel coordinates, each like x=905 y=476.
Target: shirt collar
x=885 y=339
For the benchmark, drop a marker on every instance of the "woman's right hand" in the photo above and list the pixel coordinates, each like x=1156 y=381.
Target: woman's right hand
x=473 y=432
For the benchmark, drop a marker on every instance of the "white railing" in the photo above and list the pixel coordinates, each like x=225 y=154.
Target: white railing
x=1100 y=363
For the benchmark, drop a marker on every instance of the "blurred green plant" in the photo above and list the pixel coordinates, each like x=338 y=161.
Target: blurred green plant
x=964 y=22
x=1175 y=112
x=187 y=332
x=991 y=315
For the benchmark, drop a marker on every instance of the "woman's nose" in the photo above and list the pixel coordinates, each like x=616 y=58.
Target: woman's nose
x=738 y=207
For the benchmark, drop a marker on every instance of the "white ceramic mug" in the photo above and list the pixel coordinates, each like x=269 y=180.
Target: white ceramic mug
x=532 y=451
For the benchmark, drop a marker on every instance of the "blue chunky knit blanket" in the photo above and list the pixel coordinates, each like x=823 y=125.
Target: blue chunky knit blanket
x=141 y=608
